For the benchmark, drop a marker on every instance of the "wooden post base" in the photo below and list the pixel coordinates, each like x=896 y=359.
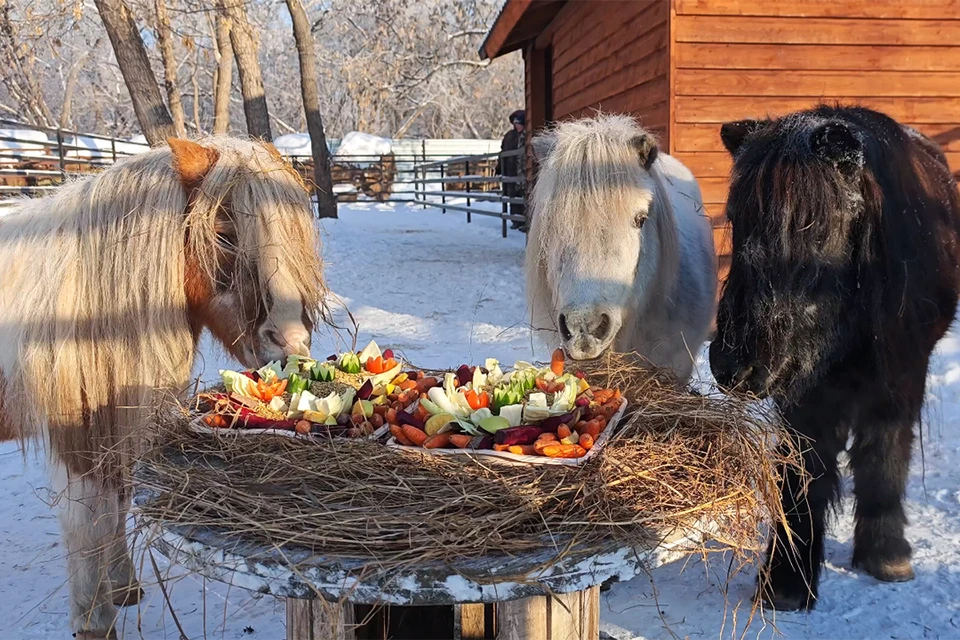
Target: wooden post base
x=317 y=619
x=567 y=616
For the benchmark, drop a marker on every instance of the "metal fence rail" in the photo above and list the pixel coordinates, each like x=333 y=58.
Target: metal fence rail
x=480 y=185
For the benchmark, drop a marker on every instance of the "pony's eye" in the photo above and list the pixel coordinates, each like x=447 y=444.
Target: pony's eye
x=226 y=240
x=639 y=220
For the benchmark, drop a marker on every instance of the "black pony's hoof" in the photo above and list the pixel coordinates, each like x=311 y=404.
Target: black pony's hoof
x=783 y=601
x=889 y=570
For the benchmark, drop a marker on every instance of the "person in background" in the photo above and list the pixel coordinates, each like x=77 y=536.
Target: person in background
x=514 y=166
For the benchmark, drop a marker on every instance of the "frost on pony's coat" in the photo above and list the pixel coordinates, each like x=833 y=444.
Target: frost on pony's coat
x=656 y=283
x=107 y=286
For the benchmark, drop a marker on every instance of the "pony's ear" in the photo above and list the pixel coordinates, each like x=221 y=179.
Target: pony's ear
x=543 y=145
x=192 y=162
x=647 y=150
x=837 y=143
x=734 y=133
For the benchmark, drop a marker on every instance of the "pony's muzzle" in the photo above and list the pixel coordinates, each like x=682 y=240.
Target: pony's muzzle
x=736 y=375
x=587 y=331
x=277 y=344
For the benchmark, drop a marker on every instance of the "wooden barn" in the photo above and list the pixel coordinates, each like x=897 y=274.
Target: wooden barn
x=686 y=66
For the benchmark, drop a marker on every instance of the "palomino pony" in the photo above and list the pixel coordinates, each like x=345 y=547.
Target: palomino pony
x=107 y=287
x=845 y=275
x=620 y=251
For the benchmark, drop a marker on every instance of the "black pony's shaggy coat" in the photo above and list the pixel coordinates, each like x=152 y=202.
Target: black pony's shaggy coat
x=844 y=276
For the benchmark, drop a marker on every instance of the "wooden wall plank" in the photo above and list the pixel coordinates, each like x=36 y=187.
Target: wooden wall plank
x=803 y=57
x=919 y=9
x=633 y=60
x=813 y=84
x=790 y=30
x=589 y=30
x=621 y=32
x=649 y=79
x=719 y=109
x=707 y=164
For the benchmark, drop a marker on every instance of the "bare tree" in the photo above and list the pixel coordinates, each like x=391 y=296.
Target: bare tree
x=246 y=51
x=19 y=75
x=223 y=75
x=134 y=64
x=323 y=184
x=165 y=39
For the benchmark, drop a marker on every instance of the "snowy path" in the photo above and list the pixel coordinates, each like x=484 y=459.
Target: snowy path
x=446 y=292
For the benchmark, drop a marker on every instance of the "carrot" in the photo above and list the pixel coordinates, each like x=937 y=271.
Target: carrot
x=421 y=413
x=579 y=426
x=484 y=400
x=414 y=435
x=425 y=384
x=501 y=447
x=564 y=451
x=524 y=450
x=586 y=441
x=398 y=434
x=592 y=429
x=408 y=384
x=472 y=399
x=547 y=437
x=563 y=431
x=437 y=441
x=282 y=387
x=461 y=440
x=215 y=421
x=542 y=442
x=390 y=415
x=556 y=362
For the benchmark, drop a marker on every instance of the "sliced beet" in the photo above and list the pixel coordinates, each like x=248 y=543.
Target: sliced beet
x=343 y=419
x=332 y=358
x=405 y=418
x=583 y=401
x=365 y=390
x=464 y=374
x=387 y=354
x=552 y=423
x=482 y=442
x=526 y=434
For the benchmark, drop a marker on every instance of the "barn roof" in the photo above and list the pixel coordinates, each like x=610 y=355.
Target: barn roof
x=518 y=22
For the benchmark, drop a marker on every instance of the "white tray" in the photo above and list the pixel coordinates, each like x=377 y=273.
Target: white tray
x=197 y=426
x=512 y=458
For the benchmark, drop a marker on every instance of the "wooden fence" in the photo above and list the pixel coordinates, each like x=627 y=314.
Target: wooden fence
x=469 y=184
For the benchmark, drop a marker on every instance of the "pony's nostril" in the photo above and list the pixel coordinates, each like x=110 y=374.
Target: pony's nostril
x=743 y=375
x=602 y=330
x=564 y=329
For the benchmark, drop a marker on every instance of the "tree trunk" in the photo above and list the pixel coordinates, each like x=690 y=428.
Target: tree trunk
x=70 y=87
x=323 y=183
x=134 y=64
x=221 y=99
x=245 y=49
x=165 y=39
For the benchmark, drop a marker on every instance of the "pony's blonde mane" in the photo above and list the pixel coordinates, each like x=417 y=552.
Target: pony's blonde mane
x=93 y=301
x=589 y=179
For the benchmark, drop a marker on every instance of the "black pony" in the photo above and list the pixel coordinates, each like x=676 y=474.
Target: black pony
x=844 y=277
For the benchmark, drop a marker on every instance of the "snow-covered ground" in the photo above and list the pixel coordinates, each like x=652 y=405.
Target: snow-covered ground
x=446 y=292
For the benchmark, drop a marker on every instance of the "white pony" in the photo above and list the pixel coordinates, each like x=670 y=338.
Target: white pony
x=620 y=252
x=107 y=286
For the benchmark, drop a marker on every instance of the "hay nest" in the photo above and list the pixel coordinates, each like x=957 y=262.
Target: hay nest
x=678 y=460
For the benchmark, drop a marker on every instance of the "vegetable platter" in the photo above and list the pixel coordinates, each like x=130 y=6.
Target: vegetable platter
x=348 y=395
x=525 y=415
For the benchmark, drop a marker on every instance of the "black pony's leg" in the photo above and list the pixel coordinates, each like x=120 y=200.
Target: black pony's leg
x=880 y=458
x=791 y=577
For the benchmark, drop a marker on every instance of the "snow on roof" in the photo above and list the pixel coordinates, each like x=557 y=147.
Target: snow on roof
x=356 y=143
x=293 y=144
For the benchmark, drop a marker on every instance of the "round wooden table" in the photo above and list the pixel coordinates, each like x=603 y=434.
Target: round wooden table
x=471 y=599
